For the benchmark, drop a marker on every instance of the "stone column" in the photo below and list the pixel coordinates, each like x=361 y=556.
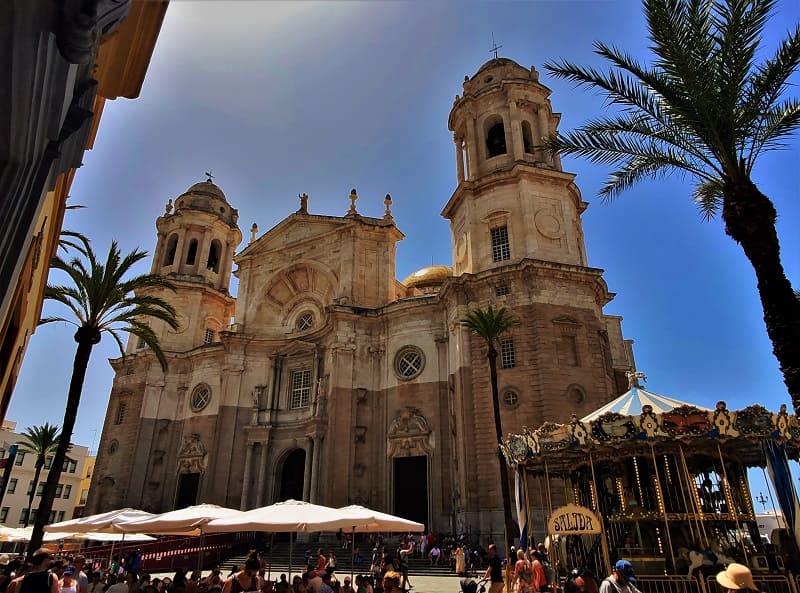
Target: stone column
x=248 y=461
x=459 y=158
x=517 y=150
x=158 y=255
x=203 y=248
x=544 y=132
x=473 y=147
x=177 y=262
x=315 y=470
x=262 y=475
x=307 y=472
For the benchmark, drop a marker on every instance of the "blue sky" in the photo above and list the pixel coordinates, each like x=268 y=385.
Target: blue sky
x=283 y=98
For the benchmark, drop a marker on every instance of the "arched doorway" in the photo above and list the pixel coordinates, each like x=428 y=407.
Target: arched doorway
x=292 y=475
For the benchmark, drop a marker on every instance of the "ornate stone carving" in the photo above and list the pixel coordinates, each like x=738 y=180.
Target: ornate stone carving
x=192 y=455
x=409 y=434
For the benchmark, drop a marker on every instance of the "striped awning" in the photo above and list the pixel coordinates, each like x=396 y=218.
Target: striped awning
x=631 y=402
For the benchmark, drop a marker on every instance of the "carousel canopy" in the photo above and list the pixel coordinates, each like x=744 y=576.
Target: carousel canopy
x=633 y=401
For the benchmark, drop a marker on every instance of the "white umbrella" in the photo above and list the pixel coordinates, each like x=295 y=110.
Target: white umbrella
x=188 y=521
x=23 y=534
x=290 y=516
x=362 y=519
x=102 y=522
x=115 y=537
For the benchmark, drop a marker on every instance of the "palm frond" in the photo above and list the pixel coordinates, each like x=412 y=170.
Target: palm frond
x=708 y=197
x=73 y=240
x=490 y=324
x=144 y=332
x=52 y=319
x=102 y=299
x=777 y=124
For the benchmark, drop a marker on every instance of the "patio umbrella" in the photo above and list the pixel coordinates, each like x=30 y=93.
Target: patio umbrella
x=23 y=534
x=101 y=522
x=364 y=520
x=189 y=521
x=292 y=516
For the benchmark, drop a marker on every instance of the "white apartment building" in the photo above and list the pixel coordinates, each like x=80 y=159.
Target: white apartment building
x=14 y=505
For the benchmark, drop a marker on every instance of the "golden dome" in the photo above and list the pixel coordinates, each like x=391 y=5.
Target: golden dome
x=430 y=275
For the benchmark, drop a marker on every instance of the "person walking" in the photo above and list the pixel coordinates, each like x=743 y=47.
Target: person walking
x=523 y=574
x=494 y=572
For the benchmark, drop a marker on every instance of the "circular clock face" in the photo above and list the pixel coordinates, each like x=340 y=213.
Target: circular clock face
x=461 y=248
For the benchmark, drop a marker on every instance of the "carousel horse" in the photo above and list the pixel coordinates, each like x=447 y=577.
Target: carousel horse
x=700 y=558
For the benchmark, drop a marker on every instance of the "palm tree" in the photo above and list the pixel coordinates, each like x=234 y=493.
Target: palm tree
x=73 y=239
x=709 y=107
x=490 y=325
x=40 y=441
x=101 y=301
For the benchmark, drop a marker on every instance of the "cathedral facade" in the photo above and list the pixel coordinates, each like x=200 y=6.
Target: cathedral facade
x=326 y=379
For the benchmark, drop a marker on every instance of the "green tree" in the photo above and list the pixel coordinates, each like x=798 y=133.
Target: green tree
x=101 y=301
x=490 y=325
x=40 y=441
x=708 y=106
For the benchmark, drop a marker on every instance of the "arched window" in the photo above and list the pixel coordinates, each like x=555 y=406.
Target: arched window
x=172 y=245
x=527 y=137
x=495 y=137
x=213 y=255
x=191 y=254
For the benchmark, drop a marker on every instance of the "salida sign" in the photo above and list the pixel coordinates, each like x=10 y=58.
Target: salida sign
x=573 y=520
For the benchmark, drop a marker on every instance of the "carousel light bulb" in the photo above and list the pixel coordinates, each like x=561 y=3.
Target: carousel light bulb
x=666 y=470
x=659 y=496
x=576 y=495
x=695 y=493
x=658 y=539
x=747 y=500
x=593 y=494
x=638 y=478
x=620 y=494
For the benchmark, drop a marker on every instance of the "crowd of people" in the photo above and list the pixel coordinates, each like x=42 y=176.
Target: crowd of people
x=388 y=572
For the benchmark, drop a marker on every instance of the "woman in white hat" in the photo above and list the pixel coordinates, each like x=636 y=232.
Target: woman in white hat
x=737 y=577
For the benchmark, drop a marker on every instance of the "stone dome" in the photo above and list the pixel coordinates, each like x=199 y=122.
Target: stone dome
x=499 y=63
x=428 y=276
x=207 y=187
x=206 y=196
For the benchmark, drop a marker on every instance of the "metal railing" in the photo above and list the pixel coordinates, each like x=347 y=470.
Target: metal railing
x=766 y=583
x=669 y=584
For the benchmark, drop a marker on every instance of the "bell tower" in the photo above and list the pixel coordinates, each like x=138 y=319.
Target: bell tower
x=197 y=238
x=513 y=201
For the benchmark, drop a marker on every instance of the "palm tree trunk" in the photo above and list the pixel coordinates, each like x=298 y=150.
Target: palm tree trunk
x=31 y=496
x=505 y=491
x=750 y=220
x=86 y=342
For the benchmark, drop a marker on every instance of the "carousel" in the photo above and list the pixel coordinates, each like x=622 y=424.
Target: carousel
x=659 y=482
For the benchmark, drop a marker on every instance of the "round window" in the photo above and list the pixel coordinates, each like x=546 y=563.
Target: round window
x=511 y=398
x=305 y=321
x=409 y=362
x=200 y=397
x=575 y=394
x=113 y=446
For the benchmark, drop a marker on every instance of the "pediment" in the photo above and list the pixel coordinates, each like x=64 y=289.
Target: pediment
x=294 y=231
